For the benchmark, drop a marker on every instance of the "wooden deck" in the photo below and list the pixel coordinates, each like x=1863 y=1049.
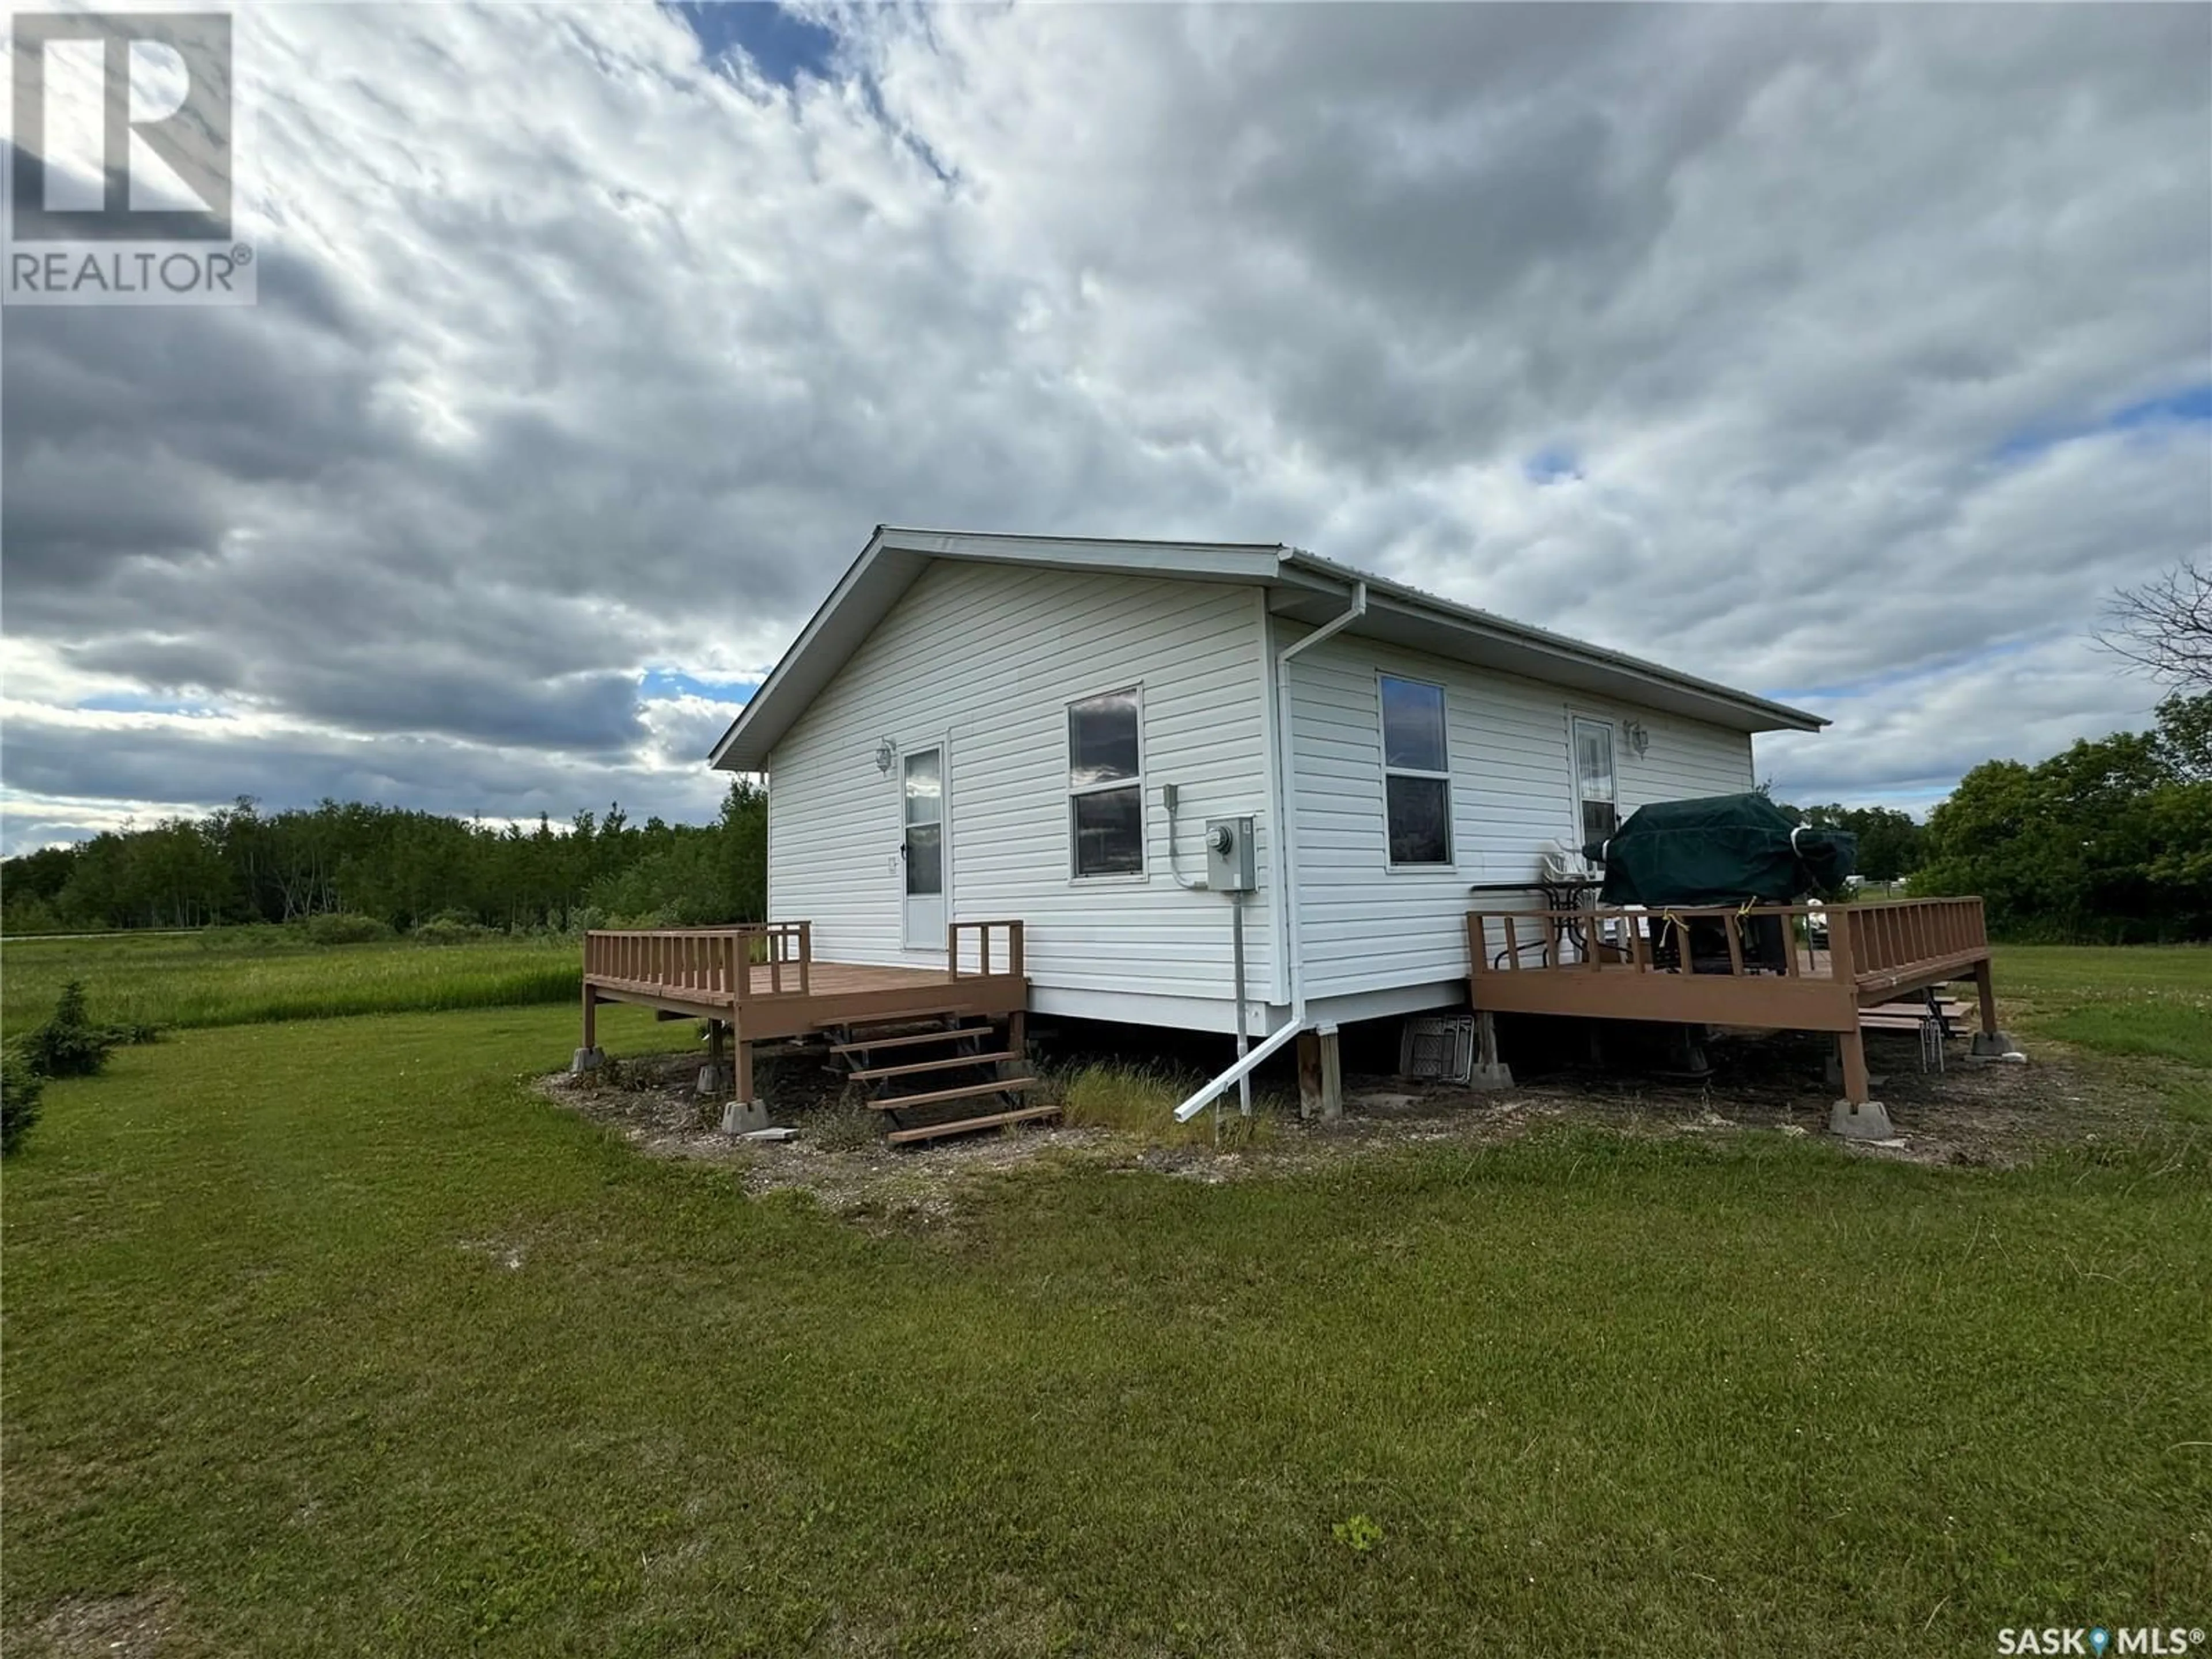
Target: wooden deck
x=760 y=981
x=1756 y=966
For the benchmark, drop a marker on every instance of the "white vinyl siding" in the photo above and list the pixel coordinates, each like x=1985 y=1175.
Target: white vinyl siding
x=987 y=659
x=1368 y=926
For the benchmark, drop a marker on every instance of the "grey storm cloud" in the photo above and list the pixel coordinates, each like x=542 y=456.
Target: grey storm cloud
x=1738 y=336
x=155 y=766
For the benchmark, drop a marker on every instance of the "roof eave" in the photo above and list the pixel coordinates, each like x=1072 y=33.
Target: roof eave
x=1384 y=595
x=753 y=735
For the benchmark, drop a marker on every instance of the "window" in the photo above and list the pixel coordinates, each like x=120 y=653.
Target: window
x=925 y=824
x=1416 y=772
x=1597 y=793
x=1106 y=784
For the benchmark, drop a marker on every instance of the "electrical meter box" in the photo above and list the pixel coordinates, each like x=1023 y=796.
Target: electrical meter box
x=1230 y=864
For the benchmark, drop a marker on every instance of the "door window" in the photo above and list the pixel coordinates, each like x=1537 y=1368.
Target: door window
x=1597 y=791
x=925 y=823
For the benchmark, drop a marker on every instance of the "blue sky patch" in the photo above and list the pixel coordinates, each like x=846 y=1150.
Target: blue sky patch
x=1552 y=463
x=782 y=43
x=2190 y=406
x=662 y=683
x=143 y=702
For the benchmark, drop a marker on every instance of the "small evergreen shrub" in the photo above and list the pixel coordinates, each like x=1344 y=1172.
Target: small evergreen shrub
x=20 y=1088
x=69 y=1044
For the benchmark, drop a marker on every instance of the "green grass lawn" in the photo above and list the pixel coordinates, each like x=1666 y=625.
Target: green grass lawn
x=240 y=975
x=2148 y=1004
x=2145 y=999
x=333 y=1339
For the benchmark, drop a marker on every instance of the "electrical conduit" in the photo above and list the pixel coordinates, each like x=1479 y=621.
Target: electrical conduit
x=1286 y=863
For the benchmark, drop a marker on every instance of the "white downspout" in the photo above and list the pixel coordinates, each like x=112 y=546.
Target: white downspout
x=1286 y=861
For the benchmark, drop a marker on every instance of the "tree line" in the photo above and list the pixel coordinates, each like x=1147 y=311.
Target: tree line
x=400 y=868
x=2109 y=841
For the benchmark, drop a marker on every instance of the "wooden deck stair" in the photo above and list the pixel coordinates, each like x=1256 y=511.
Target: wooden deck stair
x=970 y=1077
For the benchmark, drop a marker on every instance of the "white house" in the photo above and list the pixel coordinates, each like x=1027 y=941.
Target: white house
x=984 y=725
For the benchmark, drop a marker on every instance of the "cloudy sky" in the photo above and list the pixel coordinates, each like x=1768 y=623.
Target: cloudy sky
x=1852 y=355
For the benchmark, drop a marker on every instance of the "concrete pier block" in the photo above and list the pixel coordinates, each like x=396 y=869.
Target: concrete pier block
x=1993 y=1045
x=587 y=1060
x=1867 y=1123
x=742 y=1117
x=710 y=1081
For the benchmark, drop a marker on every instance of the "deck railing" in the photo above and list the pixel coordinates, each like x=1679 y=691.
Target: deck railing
x=1862 y=941
x=1886 y=937
x=744 y=961
x=1010 y=953
x=1593 y=938
x=750 y=961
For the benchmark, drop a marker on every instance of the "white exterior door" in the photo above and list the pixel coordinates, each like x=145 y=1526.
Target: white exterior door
x=922 y=848
x=1597 y=785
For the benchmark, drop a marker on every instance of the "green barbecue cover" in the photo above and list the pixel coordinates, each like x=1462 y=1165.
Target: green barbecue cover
x=1721 y=849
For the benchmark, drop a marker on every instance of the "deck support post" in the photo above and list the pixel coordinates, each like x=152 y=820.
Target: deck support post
x=1489 y=1072
x=1989 y=1043
x=1851 y=1046
x=1856 y=1117
x=745 y=1111
x=711 y=1074
x=1321 y=1074
x=588 y=1058
x=1017 y=1044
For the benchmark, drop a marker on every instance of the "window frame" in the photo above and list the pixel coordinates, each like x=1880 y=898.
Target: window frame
x=943 y=818
x=1449 y=862
x=1076 y=791
x=1576 y=718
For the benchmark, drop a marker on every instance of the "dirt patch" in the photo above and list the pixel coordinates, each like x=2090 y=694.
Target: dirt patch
x=111 y=1627
x=838 y=1155
x=1996 y=1114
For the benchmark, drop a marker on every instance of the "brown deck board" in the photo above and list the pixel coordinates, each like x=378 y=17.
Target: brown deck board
x=837 y=992
x=920 y=1068
x=931 y=1130
x=863 y=1045
x=966 y=1092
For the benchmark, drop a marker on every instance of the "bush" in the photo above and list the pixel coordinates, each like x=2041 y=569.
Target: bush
x=69 y=1044
x=848 y=1124
x=28 y=915
x=449 y=930
x=20 y=1088
x=341 y=927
